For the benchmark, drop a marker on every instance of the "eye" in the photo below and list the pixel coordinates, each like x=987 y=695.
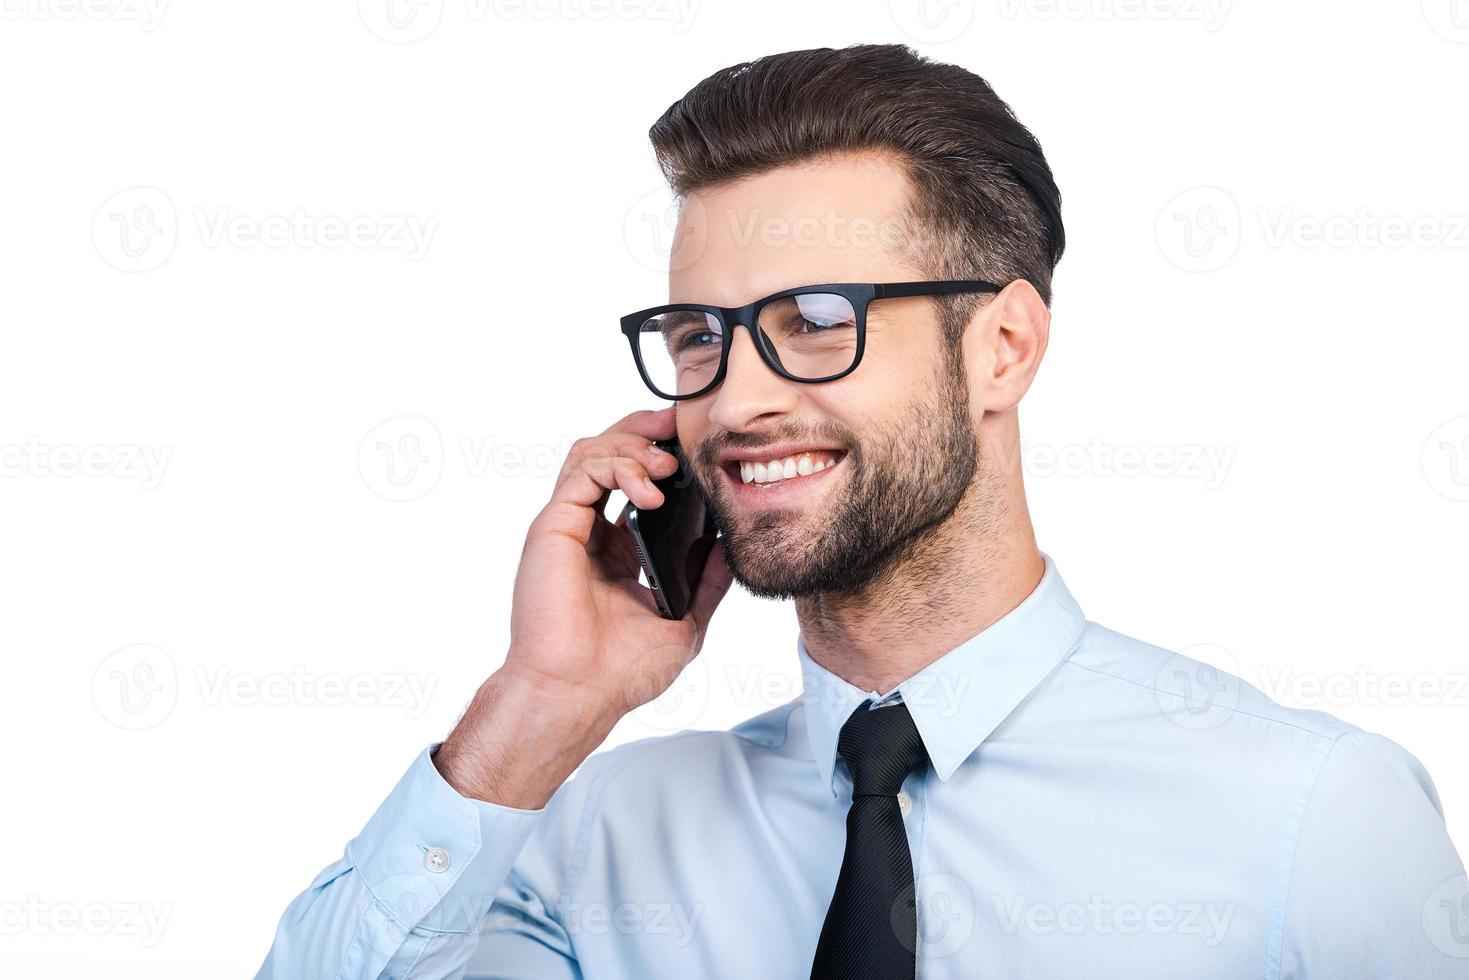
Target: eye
x=691 y=339
x=818 y=324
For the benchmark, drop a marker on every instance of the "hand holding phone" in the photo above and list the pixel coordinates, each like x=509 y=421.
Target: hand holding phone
x=587 y=641
x=674 y=539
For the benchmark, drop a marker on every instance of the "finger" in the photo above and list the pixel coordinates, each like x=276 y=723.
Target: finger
x=580 y=497
x=649 y=423
x=714 y=582
x=657 y=461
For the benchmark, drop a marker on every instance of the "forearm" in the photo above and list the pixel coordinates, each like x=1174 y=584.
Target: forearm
x=520 y=739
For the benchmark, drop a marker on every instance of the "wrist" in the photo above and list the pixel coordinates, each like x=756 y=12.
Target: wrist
x=520 y=739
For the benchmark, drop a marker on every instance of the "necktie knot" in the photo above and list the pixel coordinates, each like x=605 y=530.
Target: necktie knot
x=881 y=746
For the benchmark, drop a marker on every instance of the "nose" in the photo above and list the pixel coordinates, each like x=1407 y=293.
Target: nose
x=750 y=389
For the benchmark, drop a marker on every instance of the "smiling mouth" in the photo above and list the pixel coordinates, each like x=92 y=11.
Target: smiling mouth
x=768 y=472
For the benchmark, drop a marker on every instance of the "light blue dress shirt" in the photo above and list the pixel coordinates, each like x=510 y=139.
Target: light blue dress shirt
x=1094 y=807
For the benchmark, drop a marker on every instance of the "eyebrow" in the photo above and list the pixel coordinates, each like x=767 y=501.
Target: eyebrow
x=679 y=318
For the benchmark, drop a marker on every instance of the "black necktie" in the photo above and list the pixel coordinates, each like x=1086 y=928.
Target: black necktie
x=871 y=928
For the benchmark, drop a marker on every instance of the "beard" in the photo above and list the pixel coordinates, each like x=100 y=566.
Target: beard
x=906 y=477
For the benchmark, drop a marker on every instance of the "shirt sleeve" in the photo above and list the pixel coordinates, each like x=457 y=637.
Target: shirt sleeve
x=406 y=898
x=1376 y=889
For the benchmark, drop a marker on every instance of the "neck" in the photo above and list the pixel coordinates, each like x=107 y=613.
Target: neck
x=962 y=577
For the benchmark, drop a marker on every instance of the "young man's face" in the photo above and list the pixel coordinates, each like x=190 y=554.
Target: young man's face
x=899 y=426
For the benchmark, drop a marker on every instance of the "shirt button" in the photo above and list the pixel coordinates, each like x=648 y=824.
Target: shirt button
x=436 y=860
x=905 y=803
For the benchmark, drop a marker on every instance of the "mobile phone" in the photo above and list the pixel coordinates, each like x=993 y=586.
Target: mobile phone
x=674 y=538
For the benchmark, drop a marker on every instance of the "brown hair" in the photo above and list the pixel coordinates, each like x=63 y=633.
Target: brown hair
x=984 y=192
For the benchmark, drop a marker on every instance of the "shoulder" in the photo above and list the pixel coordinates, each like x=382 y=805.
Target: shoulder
x=645 y=768
x=1198 y=687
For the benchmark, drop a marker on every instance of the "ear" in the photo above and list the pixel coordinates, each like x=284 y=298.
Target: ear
x=1004 y=344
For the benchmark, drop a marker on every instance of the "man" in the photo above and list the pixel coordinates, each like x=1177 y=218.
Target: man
x=976 y=781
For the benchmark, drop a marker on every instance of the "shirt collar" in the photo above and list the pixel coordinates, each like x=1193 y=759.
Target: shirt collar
x=963 y=696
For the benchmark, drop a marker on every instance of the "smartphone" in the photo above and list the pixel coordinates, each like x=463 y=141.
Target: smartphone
x=674 y=538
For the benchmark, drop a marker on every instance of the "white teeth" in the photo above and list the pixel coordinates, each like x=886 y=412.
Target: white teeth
x=802 y=464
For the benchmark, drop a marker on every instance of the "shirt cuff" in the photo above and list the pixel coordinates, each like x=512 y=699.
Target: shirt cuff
x=434 y=858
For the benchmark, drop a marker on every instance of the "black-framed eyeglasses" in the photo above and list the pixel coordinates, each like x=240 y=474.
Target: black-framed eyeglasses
x=808 y=334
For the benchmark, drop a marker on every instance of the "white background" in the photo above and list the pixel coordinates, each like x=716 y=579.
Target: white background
x=1250 y=439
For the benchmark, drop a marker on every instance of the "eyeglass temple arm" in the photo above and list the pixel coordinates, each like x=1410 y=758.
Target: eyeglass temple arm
x=893 y=290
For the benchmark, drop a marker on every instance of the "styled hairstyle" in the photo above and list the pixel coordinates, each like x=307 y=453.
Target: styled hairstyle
x=984 y=203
